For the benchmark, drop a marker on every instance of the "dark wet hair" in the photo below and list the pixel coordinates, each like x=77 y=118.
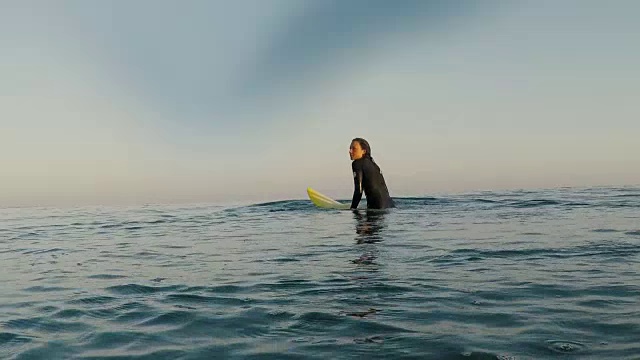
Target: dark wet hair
x=364 y=144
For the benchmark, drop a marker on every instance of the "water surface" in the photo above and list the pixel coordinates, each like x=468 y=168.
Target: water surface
x=490 y=275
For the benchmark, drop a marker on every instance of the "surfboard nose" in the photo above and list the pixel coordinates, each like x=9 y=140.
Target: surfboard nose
x=323 y=201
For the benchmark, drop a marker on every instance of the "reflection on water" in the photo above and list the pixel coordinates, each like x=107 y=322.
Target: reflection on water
x=369 y=225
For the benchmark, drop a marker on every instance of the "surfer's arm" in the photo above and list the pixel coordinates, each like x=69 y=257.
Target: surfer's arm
x=357 y=187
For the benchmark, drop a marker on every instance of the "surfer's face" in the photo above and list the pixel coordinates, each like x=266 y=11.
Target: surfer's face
x=355 y=151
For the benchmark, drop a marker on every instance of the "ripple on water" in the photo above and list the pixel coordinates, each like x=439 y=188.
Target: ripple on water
x=106 y=276
x=134 y=317
x=133 y=305
x=605 y=230
x=313 y=320
x=206 y=328
x=135 y=289
x=170 y=319
x=101 y=313
x=69 y=314
x=202 y=299
x=119 y=339
x=227 y=289
x=8 y=338
x=55 y=349
x=565 y=347
x=92 y=300
x=46 y=288
x=46 y=325
x=43 y=251
x=481 y=355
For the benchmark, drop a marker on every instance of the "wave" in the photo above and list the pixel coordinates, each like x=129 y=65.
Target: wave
x=135 y=289
x=478 y=201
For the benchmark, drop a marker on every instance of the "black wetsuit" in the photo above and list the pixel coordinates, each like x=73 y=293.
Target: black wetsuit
x=368 y=178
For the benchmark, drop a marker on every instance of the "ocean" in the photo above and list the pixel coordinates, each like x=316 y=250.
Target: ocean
x=534 y=274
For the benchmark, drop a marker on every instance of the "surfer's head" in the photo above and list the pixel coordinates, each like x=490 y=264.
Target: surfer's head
x=359 y=148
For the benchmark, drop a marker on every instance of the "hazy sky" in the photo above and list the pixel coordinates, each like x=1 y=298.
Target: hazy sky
x=254 y=100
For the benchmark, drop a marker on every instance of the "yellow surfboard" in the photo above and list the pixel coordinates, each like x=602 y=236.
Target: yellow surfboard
x=325 y=202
